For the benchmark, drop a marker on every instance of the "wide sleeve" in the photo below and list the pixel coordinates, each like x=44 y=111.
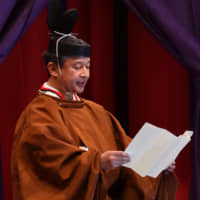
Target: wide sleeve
x=49 y=163
x=167 y=187
x=132 y=186
x=122 y=138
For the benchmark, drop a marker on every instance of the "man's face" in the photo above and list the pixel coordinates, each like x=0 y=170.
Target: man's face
x=75 y=73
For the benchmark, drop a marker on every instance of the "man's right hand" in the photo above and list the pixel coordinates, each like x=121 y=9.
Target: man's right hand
x=113 y=159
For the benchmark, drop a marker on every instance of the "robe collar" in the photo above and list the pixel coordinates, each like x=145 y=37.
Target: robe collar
x=51 y=91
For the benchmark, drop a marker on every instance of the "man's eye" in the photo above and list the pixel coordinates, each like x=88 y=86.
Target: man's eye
x=77 y=66
x=80 y=66
x=87 y=66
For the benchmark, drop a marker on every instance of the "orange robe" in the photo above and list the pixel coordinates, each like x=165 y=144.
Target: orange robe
x=50 y=160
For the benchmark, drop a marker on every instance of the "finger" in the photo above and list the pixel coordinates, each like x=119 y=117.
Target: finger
x=122 y=155
x=171 y=168
x=122 y=160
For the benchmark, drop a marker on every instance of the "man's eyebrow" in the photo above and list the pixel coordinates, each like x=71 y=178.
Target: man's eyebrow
x=81 y=63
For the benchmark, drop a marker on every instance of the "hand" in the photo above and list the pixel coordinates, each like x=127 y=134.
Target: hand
x=171 y=167
x=113 y=159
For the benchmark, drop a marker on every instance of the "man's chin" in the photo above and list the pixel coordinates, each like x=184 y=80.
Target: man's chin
x=80 y=91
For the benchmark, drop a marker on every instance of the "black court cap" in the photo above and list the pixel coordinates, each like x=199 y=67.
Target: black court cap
x=61 y=25
x=69 y=46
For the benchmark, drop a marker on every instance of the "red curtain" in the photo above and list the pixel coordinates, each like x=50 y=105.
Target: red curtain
x=22 y=74
x=158 y=86
x=158 y=93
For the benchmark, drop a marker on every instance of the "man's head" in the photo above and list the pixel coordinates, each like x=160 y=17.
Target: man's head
x=68 y=63
x=67 y=57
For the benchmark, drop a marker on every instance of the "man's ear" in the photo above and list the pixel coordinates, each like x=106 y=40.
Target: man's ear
x=52 y=69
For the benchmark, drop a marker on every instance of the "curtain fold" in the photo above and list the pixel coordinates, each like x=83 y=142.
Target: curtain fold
x=195 y=122
x=173 y=25
x=1 y=181
x=176 y=25
x=16 y=17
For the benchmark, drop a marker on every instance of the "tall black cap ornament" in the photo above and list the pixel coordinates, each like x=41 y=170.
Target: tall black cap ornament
x=63 y=42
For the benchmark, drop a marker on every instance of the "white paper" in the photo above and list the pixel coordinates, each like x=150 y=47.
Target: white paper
x=153 y=149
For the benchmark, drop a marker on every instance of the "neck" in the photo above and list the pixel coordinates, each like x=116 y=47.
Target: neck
x=53 y=83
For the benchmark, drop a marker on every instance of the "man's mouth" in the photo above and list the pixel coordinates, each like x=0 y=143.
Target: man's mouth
x=81 y=83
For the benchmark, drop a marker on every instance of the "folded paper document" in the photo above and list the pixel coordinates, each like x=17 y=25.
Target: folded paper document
x=153 y=149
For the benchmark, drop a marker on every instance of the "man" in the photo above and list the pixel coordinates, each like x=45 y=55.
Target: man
x=69 y=148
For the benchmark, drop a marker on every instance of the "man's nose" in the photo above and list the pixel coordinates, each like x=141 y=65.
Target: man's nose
x=85 y=72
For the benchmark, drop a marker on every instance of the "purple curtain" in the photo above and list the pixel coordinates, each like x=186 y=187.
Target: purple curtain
x=15 y=18
x=176 y=25
x=1 y=181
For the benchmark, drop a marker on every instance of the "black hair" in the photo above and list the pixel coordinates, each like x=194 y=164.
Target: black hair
x=50 y=57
